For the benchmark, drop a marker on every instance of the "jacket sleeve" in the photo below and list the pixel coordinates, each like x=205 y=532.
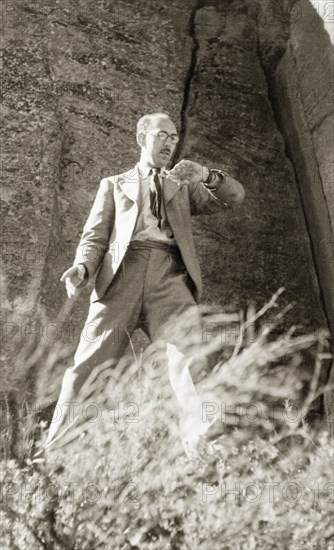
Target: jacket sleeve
x=94 y=240
x=227 y=193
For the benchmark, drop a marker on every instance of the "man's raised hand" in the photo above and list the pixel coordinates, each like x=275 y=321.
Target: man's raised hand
x=187 y=171
x=73 y=277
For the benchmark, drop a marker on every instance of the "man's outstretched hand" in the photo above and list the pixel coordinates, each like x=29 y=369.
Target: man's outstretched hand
x=73 y=277
x=187 y=171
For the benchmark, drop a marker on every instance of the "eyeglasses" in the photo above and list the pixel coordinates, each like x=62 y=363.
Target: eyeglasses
x=163 y=136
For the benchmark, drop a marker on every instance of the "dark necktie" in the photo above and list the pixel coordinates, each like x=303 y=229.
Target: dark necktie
x=155 y=195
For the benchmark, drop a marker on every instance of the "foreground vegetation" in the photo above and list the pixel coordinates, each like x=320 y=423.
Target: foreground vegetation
x=120 y=479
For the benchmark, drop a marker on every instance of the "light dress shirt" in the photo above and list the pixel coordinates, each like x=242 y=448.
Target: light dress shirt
x=147 y=224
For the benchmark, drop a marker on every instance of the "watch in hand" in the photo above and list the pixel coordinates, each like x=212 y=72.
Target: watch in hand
x=214 y=177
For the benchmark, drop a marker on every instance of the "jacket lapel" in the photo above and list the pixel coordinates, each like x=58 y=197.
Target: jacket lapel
x=129 y=183
x=170 y=188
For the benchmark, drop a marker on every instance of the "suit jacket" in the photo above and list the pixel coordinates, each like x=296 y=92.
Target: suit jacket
x=112 y=220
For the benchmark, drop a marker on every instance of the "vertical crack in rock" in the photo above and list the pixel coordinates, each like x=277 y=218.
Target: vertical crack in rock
x=55 y=229
x=188 y=80
x=302 y=103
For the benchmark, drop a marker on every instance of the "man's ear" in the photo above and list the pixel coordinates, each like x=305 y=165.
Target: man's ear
x=141 y=139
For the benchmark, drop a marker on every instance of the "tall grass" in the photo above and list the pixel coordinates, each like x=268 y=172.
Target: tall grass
x=120 y=477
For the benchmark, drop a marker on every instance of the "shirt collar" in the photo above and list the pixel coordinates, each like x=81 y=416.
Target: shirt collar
x=144 y=170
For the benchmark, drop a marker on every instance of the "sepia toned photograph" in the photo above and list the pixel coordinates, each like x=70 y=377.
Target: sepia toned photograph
x=167 y=275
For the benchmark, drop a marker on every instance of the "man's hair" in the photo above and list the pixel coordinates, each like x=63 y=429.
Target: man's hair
x=144 y=122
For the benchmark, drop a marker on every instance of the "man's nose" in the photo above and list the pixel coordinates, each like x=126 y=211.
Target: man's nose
x=167 y=138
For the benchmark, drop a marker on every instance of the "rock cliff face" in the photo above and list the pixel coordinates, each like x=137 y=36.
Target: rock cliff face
x=249 y=85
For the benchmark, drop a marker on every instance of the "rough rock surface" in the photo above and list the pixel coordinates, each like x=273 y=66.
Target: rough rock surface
x=77 y=77
x=302 y=94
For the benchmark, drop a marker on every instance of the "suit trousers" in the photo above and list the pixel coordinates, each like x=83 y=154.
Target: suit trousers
x=150 y=290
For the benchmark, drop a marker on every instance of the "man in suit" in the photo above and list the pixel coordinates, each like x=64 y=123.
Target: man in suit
x=138 y=243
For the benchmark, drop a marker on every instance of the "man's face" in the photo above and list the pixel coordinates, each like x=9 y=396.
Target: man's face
x=157 y=152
